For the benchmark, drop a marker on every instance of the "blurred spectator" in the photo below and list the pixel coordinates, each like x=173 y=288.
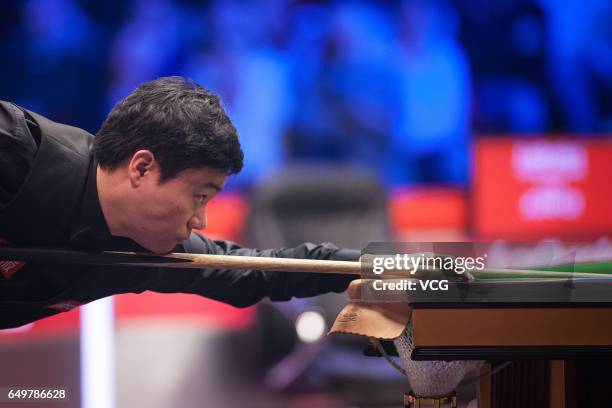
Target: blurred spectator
x=346 y=109
x=59 y=43
x=246 y=67
x=506 y=44
x=431 y=133
x=307 y=45
x=147 y=46
x=580 y=62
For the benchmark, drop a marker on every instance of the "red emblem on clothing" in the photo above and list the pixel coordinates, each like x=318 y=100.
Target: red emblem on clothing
x=65 y=305
x=8 y=268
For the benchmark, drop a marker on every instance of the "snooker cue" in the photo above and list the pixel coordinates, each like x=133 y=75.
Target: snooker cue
x=179 y=260
x=187 y=260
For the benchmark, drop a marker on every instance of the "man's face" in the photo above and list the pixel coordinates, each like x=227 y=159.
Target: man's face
x=168 y=211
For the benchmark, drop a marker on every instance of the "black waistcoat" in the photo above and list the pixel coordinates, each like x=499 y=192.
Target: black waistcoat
x=41 y=212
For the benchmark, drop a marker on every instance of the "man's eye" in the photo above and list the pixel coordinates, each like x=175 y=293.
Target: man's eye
x=201 y=199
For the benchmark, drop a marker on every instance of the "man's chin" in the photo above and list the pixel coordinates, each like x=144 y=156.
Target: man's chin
x=167 y=251
x=161 y=249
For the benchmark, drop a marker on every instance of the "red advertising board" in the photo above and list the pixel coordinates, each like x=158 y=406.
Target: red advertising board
x=542 y=188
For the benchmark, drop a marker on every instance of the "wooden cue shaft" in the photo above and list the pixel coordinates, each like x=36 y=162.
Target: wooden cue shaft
x=262 y=263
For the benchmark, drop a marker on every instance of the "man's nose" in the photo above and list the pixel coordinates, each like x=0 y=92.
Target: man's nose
x=198 y=220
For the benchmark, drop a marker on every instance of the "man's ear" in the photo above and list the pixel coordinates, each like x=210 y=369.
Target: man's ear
x=142 y=165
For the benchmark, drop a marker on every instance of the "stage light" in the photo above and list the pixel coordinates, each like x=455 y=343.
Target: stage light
x=310 y=326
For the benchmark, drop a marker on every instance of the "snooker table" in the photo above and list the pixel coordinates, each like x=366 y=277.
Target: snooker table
x=556 y=333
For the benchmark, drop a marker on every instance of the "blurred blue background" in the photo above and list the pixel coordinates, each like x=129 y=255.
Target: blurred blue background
x=367 y=83
x=404 y=89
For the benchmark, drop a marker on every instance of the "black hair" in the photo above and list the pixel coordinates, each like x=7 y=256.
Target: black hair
x=180 y=122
